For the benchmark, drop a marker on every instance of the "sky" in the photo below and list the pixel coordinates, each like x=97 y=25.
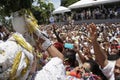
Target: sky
x=56 y=3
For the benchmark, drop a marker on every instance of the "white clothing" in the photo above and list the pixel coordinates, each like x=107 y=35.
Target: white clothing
x=53 y=70
x=108 y=70
x=78 y=59
x=72 y=78
x=8 y=52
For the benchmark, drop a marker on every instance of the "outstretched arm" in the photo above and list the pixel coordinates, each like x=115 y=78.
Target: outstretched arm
x=81 y=57
x=100 y=54
x=54 y=52
x=47 y=45
x=57 y=35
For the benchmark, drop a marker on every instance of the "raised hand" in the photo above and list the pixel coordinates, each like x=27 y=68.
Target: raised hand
x=43 y=38
x=93 y=31
x=76 y=47
x=54 y=26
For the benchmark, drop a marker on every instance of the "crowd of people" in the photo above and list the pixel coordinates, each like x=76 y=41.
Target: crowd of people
x=91 y=13
x=75 y=52
x=97 y=13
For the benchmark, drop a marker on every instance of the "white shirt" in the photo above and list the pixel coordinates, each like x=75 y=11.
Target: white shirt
x=53 y=70
x=108 y=70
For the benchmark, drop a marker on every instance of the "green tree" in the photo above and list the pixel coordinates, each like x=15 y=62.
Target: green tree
x=42 y=12
x=66 y=3
x=10 y=6
x=6 y=22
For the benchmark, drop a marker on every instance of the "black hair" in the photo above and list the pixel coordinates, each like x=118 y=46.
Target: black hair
x=70 y=55
x=1 y=27
x=114 y=56
x=95 y=69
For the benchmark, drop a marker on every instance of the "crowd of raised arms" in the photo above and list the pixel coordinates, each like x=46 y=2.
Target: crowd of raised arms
x=74 y=52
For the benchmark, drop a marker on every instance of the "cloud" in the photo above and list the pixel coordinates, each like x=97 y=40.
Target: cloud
x=56 y=3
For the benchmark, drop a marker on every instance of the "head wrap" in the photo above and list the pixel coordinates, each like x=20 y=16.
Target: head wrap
x=59 y=46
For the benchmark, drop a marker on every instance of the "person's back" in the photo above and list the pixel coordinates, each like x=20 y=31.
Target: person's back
x=53 y=70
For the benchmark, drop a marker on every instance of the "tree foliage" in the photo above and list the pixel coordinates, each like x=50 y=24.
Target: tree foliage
x=66 y=3
x=9 y=6
x=41 y=11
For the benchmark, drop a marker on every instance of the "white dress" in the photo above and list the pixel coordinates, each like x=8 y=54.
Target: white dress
x=8 y=52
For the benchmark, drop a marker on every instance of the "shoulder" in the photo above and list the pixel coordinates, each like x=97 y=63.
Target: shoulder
x=108 y=70
x=110 y=65
x=53 y=70
x=54 y=62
